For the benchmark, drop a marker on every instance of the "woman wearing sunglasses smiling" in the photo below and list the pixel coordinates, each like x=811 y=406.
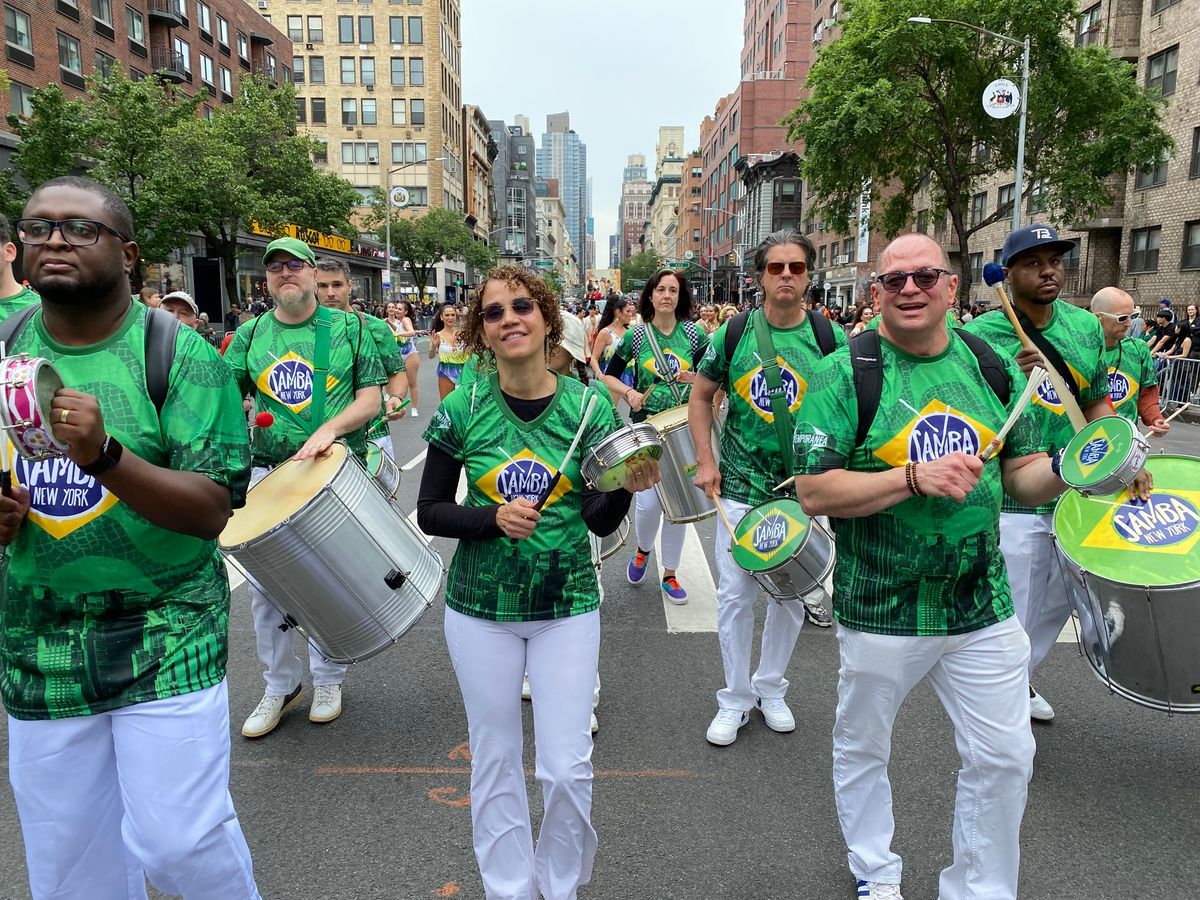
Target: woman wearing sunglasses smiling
x=522 y=594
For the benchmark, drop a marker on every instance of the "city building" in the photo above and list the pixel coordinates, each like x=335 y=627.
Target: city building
x=663 y=204
x=688 y=229
x=633 y=212
x=562 y=155
x=514 y=205
x=555 y=253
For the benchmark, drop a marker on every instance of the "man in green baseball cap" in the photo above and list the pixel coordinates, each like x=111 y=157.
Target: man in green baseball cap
x=290 y=245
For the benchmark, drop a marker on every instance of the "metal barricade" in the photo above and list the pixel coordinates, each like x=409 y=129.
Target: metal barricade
x=1179 y=384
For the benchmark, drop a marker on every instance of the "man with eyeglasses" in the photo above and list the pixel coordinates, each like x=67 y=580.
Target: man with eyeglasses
x=1132 y=381
x=114 y=633
x=272 y=357
x=752 y=463
x=919 y=587
x=13 y=296
x=1073 y=343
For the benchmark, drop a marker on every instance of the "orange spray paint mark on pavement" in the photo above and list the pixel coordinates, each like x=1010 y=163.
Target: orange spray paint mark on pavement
x=446 y=796
x=449 y=889
x=462 y=751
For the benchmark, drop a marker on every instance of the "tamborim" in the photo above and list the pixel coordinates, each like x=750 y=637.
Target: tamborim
x=27 y=387
x=1105 y=456
x=603 y=468
x=788 y=553
x=681 y=500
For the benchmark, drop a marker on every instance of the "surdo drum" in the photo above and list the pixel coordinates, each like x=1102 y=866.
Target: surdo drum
x=681 y=500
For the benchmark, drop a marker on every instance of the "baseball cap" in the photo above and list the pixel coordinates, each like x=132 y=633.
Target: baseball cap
x=573 y=337
x=185 y=297
x=1165 y=301
x=1030 y=237
x=296 y=248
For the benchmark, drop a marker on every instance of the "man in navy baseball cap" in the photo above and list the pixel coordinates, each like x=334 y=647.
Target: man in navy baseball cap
x=1029 y=237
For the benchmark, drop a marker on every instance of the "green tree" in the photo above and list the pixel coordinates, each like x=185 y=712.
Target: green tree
x=555 y=282
x=640 y=267
x=899 y=105
x=421 y=242
x=52 y=144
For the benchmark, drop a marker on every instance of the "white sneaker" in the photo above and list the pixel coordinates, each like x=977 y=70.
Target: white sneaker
x=526 y=693
x=878 y=890
x=595 y=724
x=1039 y=709
x=415 y=414
x=327 y=703
x=723 y=730
x=269 y=711
x=776 y=713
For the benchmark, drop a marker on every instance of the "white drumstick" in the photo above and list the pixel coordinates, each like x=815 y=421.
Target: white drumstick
x=1167 y=419
x=1035 y=378
x=587 y=414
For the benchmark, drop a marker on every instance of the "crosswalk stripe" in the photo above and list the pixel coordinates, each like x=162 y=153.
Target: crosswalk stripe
x=699 y=614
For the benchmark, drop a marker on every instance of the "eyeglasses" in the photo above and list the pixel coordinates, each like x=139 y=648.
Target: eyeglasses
x=1121 y=319
x=76 y=232
x=276 y=266
x=796 y=267
x=494 y=312
x=894 y=282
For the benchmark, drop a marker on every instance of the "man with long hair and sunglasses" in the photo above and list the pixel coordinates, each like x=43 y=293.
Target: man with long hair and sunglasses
x=273 y=357
x=114 y=628
x=1132 y=380
x=919 y=585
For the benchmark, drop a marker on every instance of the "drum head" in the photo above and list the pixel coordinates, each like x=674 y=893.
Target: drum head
x=613 y=478
x=1153 y=544
x=1097 y=451
x=279 y=496
x=669 y=419
x=769 y=534
x=374 y=459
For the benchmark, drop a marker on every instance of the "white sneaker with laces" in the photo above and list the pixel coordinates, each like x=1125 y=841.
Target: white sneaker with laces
x=526 y=693
x=415 y=414
x=595 y=724
x=878 y=890
x=776 y=713
x=723 y=730
x=327 y=703
x=269 y=711
x=1039 y=709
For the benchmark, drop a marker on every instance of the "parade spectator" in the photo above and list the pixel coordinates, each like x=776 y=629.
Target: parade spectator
x=181 y=305
x=150 y=296
x=1193 y=323
x=13 y=296
x=862 y=320
x=1160 y=333
x=233 y=317
x=204 y=327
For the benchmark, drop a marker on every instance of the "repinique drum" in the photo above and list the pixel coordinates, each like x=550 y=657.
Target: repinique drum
x=27 y=386
x=1136 y=570
x=384 y=470
x=326 y=546
x=788 y=553
x=681 y=500
x=603 y=468
x=1105 y=456
x=609 y=544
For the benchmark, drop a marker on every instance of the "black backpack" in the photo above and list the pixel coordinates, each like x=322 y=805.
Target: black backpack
x=689 y=328
x=866 y=361
x=821 y=328
x=162 y=328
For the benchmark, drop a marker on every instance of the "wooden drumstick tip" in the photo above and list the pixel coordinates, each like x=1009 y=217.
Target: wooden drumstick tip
x=787 y=483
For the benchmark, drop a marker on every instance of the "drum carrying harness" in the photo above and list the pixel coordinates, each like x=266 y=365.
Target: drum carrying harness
x=660 y=361
x=162 y=328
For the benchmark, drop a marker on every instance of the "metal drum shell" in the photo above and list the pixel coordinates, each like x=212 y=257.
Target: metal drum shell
x=805 y=570
x=37 y=380
x=1129 y=468
x=388 y=474
x=604 y=465
x=681 y=500
x=610 y=544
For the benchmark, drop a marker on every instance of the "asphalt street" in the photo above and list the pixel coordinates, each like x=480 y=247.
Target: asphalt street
x=376 y=804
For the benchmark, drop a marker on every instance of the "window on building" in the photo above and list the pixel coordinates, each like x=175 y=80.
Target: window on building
x=347 y=66
x=398 y=71
x=346 y=29
x=316 y=29
x=298 y=69
x=349 y=111
x=204 y=17
x=206 y=69
x=1152 y=174
x=366 y=29
x=301 y=109
x=416 y=30
x=321 y=153
x=976 y=267
x=1191 y=245
x=1144 y=244
x=104 y=63
x=399 y=112
x=416 y=72
x=418 y=112
x=848 y=249
x=1194 y=167
x=316 y=70
x=1004 y=198
x=369 y=114
x=360 y=153
x=102 y=11
x=68 y=54
x=396 y=29
x=18 y=29
x=295 y=28
x=1158 y=6
x=366 y=68
x=20 y=98
x=1088 y=27
x=243 y=47
x=978 y=208
x=318 y=110
x=222 y=32
x=226 y=82
x=409 y=152
x=1161 y=70
x=923 y=221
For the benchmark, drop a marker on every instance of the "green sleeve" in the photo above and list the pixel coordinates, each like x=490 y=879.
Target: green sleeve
x=827 y=422
x=703 y=342
x=603 y=420
x=713 y=365
x=386 y=345
x=445 y=429
x=1097 y=388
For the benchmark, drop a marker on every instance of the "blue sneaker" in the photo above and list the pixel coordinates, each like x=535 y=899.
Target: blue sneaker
x=878 y=890
x=637 y=565
x=673 y=591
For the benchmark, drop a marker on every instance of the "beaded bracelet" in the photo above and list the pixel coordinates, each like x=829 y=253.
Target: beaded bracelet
x=910 y=478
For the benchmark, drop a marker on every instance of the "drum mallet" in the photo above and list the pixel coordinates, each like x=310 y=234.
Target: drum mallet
x=993 y=274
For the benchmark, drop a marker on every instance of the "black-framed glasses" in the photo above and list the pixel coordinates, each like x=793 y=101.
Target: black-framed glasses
x=1121 y=319
x=76 y=232
x=494 y=312
x=796 y=267
x=276 y=266
x=924 y=278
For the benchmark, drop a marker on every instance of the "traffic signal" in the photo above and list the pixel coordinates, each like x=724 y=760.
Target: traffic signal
x=458 y=282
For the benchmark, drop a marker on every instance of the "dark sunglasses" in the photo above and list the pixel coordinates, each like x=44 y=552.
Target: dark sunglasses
x=276 y=266
x=894 y=282
x=494 y=312
x=796 y=268
x=76 y=232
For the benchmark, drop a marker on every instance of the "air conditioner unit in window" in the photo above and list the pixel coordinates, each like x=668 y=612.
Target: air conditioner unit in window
x=309 y=47
x=841 y=260
x=370 y=87
x=262 y=4
x=372 y=161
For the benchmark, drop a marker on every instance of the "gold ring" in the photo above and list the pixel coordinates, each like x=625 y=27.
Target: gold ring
x=62 y=415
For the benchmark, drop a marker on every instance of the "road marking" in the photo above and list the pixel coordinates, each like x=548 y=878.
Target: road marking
x=1068 y=635
x=415 y=461
x=466 y=770
x=699 y=614
x=236 y=578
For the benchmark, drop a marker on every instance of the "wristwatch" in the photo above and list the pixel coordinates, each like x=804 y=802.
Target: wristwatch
x=110 y=455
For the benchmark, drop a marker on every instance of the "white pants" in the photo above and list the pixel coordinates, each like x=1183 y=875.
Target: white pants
x=275 y=651
x=385 y=444
x=109 y=799
x=736 y=596
x=561 y=657
x=981 y=679
x=648 y=515
x=1041 y=593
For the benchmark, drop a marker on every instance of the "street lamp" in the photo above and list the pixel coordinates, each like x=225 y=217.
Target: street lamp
x=1018 y=181
x=388 y=218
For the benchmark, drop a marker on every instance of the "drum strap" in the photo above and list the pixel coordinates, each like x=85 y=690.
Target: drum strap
x=1050 y=352
x=775 y=391
x=321 y=366
x=660 y=362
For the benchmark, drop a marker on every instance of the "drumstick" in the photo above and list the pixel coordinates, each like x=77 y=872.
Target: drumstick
x=716 y=498
x=993 y=274
x=587 y=414
x=1177 y=412
x=1035 y=378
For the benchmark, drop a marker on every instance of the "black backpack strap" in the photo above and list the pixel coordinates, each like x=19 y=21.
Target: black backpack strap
x=991 y=367
x=822 y=330
x=1050 y=352
x=11 y=328
x=734 y=329
x=867 y=363
x=162 y=329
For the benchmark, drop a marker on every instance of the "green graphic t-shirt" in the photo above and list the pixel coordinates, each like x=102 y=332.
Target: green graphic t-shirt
x=751 y=462
x=274 y=360
x=105 y=610
x=1078 y=337
x=26 y=296
x=1130 y=368
x=928 y=565
x=393 y=362
x=475 y=369
x=549 y=575
x=678 y=354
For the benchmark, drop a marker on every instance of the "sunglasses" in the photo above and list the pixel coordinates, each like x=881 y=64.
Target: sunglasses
x=276 y=266
x=76 y=232
x=894 y=282
x=494 y=312
x=796 y=268
x=1121 y=319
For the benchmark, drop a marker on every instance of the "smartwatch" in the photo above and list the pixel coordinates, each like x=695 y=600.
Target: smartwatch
x=110 y=455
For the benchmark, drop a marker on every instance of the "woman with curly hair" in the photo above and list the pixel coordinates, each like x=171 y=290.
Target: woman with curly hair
x=522 y=593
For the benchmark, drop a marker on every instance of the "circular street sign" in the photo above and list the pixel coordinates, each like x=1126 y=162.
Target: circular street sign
x=690 y=254
x=1001 y=99
x=399 y=197
x=826 y=285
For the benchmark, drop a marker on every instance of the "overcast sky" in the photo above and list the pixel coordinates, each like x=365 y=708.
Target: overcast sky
x=621 y=68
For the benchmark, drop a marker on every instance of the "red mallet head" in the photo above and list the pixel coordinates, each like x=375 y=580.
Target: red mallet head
x=264 y=419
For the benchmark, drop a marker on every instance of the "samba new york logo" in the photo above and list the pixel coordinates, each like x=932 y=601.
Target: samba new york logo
x=674 y=362
x=773 y=531
x=752 y=387
x=1163 y=520
x=289 y=381
x=61 y=497
x=522 y=476
x=938 y=431
x=1120 y=387
x=1047 y=396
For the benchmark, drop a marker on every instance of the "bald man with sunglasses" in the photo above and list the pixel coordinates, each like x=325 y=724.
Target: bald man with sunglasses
x=1132 y=380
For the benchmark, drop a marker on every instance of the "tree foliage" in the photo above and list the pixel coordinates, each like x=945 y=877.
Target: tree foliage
x=421 y=242
x=899 y=103
x=640 y=267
